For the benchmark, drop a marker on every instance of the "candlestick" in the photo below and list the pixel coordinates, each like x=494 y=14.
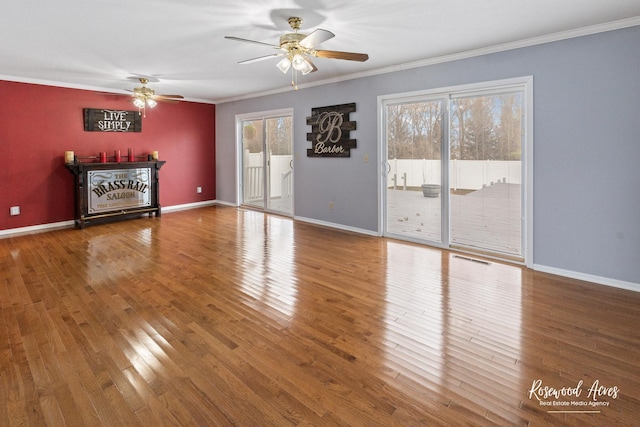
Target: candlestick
x=132 y=157
x=103 y=157
x=68 y=157
x=116 y=156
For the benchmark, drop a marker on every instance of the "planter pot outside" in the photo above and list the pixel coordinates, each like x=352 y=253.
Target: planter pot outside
x=430 y=190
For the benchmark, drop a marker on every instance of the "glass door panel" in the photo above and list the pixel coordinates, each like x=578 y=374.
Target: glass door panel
x=485 y=172
x=278 y=137
x=253 y=163
x=413 y=183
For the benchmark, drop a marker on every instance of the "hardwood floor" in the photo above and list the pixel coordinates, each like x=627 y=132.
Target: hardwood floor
x=220 y=316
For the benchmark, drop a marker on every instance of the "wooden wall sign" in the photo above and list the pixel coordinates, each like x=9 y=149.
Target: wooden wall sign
x=111 y=120
x=330 y=128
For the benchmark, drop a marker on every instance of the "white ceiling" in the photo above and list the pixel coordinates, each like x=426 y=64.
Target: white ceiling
x=102 y=44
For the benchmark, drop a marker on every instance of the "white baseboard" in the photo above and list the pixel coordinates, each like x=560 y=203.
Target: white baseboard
x=588 y=277
x=338 y=226
x=223 y=203
x=187 y=206
x=35 y=228
x=67 y=224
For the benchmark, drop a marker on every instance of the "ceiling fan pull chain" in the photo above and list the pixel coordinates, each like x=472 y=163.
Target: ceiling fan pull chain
x=294 y=78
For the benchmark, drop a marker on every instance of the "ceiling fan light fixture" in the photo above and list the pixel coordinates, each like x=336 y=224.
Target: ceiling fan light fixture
x=138 y=102
x=151 y=103
x=284 y=65
x=301 y=64
x=297 y=50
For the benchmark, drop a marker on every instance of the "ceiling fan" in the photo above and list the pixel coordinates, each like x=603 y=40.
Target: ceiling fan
x=297 y=48
x=144 y=96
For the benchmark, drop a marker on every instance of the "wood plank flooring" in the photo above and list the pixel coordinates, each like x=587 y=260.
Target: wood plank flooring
x=221 y=316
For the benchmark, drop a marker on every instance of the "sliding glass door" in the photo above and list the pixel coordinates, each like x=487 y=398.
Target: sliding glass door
x=454 y=173
x=266 y=161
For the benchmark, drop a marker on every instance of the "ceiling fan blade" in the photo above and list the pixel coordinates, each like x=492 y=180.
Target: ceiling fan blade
x=351 y=56
x=169 y=96
x=261 y=58
x=315 y=38
x=167 y=100
x=238 y=39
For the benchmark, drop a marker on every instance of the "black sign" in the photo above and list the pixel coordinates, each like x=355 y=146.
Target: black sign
x=112 y=120
x=330 y=128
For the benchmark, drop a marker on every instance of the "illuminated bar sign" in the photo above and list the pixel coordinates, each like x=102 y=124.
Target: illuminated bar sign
x=330 y=128
x=112 y=120
x=118 y=189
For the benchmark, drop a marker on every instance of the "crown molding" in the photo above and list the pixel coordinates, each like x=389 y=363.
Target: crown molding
x=549 y=38
x=534 y=41
x=67 y=85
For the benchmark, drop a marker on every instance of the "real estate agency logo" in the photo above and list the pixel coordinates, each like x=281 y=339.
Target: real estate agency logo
x=578 y=399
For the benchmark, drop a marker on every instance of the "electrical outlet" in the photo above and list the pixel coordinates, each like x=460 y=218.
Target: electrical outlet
x=331 y=205
x=14 y=210
x=198 y=190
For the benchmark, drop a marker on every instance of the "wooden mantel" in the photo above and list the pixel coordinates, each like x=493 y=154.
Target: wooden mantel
x=115 y=190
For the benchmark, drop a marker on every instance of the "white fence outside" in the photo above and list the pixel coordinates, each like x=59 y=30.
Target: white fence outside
x=280 y=177
x=464 y=174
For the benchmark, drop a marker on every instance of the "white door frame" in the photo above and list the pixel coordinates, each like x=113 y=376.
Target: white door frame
x=259 y=115
x=526 y=84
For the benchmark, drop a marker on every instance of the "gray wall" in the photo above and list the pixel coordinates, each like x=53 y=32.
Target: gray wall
x=586 y=147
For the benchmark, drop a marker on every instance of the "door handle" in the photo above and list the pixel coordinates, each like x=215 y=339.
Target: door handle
x=291 y=164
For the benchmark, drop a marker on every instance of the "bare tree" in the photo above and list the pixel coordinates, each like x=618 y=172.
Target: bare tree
x=278 y=133
x=252 y=136
x=482 y=128
x=458 y=134
x=414 y=130
x=510 y=127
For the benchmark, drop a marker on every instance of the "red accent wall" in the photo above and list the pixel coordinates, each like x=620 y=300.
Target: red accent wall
x=39 y=123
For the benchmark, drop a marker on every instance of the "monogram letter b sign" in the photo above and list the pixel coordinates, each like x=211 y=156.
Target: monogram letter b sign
x=330 y=128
